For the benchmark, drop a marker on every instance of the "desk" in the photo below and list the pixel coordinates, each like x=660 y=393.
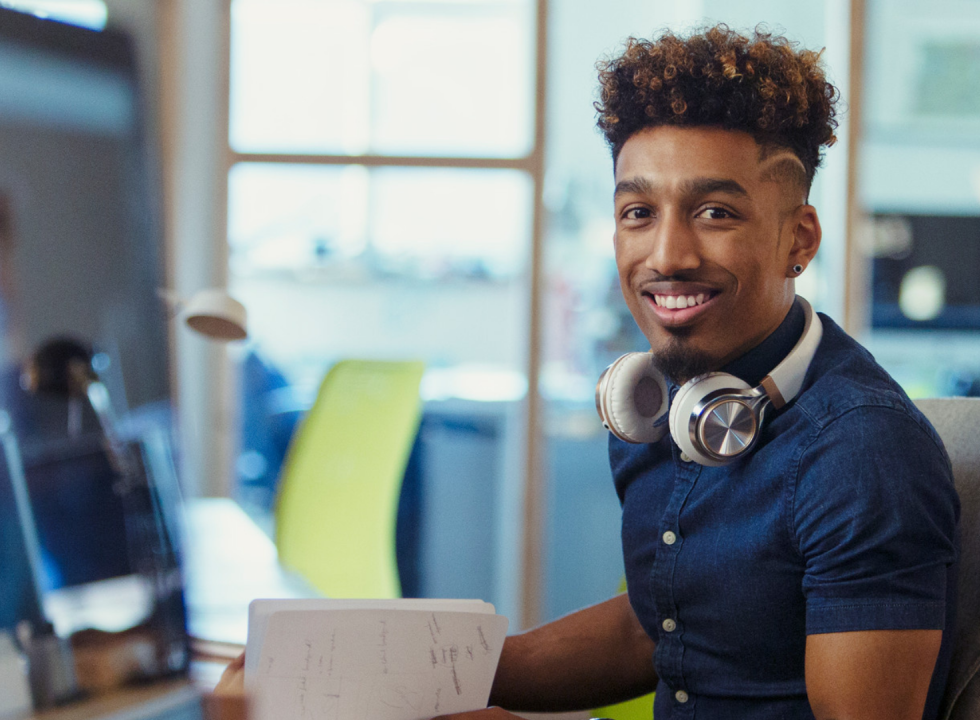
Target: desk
x=228 y=562
x=172 y=700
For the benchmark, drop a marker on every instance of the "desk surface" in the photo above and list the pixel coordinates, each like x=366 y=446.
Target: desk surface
x=228 y=562
x=172 y=700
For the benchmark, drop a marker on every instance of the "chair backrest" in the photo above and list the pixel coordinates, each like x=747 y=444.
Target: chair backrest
x=957 y=420
x=338 y=496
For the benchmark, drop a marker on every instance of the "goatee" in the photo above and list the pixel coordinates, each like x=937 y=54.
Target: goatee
x=679 y=362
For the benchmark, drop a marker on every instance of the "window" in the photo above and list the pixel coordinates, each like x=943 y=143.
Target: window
x=382 y=176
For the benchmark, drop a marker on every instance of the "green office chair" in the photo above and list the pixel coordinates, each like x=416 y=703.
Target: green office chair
x=640 y=708
x=338 y=497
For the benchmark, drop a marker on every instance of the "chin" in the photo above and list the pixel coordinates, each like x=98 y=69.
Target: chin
x=680 y=361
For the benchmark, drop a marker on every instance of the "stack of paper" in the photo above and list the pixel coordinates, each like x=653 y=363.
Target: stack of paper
x=370 y=659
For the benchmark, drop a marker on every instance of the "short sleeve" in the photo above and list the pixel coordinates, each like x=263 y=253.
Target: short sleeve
x=875 y=515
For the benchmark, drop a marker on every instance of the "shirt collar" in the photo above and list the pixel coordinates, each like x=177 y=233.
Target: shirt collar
x=760 y=360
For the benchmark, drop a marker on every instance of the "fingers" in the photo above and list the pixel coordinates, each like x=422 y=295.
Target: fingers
x=494 y=713
x=232 y=680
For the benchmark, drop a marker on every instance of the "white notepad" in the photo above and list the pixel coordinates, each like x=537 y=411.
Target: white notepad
x=371 y=659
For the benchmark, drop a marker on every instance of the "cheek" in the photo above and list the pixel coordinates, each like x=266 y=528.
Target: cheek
x=625 y=263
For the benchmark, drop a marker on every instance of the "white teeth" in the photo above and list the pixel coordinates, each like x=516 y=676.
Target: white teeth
x=679 y=302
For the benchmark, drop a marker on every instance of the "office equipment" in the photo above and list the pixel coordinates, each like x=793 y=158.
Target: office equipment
x=79 y=268
x=338 y=500
x=384 y=660
x=79 y=255
x=923 y=271
x=15 y=697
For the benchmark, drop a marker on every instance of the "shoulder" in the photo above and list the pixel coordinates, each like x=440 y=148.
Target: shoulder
x=866 y=450
x=849 y=400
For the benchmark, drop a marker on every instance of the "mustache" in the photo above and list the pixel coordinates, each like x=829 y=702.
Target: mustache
x=683 y=276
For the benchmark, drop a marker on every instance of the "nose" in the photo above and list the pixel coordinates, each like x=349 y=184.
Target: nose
x=674 y=246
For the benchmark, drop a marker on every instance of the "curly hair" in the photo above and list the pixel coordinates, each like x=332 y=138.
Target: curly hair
x=716 y=77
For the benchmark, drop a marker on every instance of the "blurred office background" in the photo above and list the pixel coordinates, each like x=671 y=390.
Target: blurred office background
x=421 y=179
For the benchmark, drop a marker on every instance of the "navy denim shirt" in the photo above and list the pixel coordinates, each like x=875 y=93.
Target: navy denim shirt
x=843 y=518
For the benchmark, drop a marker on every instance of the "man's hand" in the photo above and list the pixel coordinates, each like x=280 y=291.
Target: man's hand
x=494 y=713
x=232 y=680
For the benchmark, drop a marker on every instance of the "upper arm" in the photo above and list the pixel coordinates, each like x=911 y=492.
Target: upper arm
x=870 y=675
x=875 y=514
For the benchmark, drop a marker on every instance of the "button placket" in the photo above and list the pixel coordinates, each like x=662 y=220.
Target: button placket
x=670 y=649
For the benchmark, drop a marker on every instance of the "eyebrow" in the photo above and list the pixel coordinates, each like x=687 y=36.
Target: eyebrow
x=694 y=186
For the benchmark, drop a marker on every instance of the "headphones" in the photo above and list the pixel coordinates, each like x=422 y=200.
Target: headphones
x=715 y=418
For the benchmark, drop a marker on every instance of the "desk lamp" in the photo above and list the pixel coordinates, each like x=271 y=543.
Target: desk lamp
x=210 y=312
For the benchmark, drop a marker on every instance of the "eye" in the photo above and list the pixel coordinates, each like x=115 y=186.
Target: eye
x=637 y=213
x=715 y=212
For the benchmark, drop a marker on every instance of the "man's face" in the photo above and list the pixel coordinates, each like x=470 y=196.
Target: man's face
x=707 y=230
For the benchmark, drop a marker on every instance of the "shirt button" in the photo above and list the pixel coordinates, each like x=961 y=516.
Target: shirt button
x=685 y=457
x=681 y=696
x=669 y=538
x=669 y=625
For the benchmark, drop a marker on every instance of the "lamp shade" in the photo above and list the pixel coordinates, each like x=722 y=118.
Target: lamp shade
x=217 y=315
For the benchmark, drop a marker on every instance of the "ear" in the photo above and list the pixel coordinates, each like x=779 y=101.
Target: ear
x=806 y=237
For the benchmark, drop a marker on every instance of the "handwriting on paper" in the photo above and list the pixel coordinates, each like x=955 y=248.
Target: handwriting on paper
x=377 y=664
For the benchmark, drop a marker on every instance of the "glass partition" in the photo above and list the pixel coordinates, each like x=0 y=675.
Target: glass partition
x=920 y=188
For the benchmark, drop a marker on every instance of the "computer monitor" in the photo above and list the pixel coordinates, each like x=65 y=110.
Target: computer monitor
x=80 y=250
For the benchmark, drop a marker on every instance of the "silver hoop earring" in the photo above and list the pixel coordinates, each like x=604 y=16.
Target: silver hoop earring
x=798 y=269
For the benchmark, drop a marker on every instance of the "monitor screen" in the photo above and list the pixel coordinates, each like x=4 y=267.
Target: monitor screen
x=924 y=271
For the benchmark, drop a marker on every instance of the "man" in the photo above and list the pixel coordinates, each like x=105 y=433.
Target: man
x=814 y=577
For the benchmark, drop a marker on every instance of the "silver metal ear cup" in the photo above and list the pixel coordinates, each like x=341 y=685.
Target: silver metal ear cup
x=727 y=427
x=710 y=443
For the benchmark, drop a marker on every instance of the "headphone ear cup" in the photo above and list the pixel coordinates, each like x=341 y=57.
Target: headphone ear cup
x=631 y=397
x=686 y=400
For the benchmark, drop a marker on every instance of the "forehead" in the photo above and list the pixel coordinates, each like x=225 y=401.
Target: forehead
x=667 y=154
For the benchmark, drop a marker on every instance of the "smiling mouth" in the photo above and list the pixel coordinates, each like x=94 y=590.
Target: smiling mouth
x=680 y=308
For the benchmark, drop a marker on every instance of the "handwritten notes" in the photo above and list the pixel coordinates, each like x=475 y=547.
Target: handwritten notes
x=377 y=663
